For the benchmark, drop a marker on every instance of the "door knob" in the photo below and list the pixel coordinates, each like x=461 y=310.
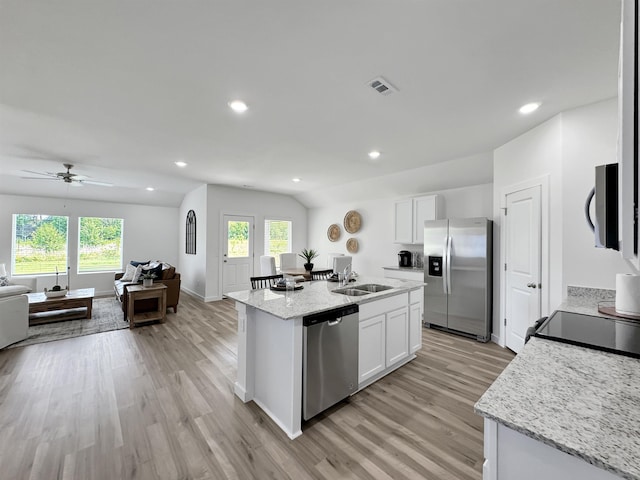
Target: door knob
x=531 y=285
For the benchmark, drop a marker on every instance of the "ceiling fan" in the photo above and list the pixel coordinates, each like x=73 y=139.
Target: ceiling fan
x=66 y=177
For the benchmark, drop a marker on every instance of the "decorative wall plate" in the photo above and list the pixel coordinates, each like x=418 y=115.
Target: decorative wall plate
x=352 y=221
x=352 y=245
x=334 y=232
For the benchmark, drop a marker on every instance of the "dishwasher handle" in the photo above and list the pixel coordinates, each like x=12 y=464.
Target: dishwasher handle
x=335 y=322
x=331 y=316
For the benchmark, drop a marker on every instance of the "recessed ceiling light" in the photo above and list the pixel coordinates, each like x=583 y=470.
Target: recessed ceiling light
x=150 y=189
x=181 y=164
x=374 y=154
x=238 y=106
x=295 y=180
x=529 y=107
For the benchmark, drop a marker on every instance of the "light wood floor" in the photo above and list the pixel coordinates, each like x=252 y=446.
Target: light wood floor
x=158 y=402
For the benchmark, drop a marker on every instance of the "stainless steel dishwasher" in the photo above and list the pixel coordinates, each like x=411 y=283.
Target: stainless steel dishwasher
x=330 y=358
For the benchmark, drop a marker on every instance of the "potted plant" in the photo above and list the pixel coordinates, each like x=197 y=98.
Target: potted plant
x=308 y=255
x=147 y=279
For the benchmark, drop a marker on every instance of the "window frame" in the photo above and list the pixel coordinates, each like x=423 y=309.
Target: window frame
x=14 y=245
x=267 y=239
x=79 y=249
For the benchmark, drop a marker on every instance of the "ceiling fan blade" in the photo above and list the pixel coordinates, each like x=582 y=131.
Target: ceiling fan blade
x=48 y=174
x=91 y=182
x=38 y=178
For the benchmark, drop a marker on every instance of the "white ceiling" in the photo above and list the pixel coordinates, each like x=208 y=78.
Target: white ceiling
x=122 y=89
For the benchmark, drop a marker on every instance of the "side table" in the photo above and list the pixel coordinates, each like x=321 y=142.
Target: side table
x=138 y=292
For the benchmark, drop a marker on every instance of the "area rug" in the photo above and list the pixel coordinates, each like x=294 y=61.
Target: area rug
x=106 y=315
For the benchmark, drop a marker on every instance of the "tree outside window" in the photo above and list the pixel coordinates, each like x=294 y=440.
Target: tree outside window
x=100 y=246
x=277 y=238
x=40 y=244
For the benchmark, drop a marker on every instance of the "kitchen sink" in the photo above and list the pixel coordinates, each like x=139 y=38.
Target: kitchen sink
x=373 y=287
x=352 y=292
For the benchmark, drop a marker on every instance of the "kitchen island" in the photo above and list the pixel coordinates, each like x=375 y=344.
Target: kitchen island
x=563 y=411
x=270 y=339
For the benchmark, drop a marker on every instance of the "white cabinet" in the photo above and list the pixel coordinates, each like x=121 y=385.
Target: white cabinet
x=410 y=215
x=386 y=327
x=416 y=303
x=510 y=454
x=371 y=351
x=397 y=336
x=403 y=232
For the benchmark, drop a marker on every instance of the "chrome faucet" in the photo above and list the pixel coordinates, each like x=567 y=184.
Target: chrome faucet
x=346 y=275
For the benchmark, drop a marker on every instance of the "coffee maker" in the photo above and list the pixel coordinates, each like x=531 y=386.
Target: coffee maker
x=404 y=258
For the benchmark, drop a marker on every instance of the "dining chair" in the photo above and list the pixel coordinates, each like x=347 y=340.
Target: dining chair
x=331 y=256
x=288 y=261
x=267 y=265
x=265 y=281
x=340 y=263
x=321 y=274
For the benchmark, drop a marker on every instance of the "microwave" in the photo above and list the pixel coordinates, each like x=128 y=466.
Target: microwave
x=605 y=193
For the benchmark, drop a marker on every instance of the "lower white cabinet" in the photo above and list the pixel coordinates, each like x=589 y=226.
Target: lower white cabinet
x=415 y=327
x=510 y=454
x=371 y=351
x=384 y=336
x=397 y=336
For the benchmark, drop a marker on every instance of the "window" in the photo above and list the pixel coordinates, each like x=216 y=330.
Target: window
x=100 y=246
x=277 y=238
x=39 y=244
x=190 y=233
x=238 y=239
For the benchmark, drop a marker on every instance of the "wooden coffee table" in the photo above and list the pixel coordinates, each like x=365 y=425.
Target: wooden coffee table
x=39 y=305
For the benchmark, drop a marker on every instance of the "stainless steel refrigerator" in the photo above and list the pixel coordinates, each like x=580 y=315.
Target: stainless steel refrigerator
x=457 y=271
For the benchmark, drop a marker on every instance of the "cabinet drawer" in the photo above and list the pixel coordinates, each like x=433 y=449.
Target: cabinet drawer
x=416 y=296
x=368 y=310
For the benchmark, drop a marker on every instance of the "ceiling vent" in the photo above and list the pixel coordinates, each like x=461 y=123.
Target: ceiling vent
x=382 y=86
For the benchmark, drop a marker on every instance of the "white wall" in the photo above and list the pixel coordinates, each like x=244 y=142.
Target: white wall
x=589 y=139
x=149 y=234
x=223 y=200
x=375 y=237
x=564 y=150
x=533 y=155
x=193 y=271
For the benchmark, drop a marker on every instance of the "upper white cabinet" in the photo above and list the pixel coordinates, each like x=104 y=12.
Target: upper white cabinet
x=404 y=221
x=410 y=215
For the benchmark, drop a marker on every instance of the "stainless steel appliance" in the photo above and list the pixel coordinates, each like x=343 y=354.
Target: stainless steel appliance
x=605 y=192
x=457 y=271
x=601 y=333
x=404 y=258
x=330 y=358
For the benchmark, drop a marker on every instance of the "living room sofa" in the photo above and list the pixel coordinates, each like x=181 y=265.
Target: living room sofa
x=169 y=277
x=18 y=286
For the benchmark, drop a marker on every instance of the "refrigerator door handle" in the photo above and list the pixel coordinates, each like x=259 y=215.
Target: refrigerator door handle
x=448 y=280
x=445 y=265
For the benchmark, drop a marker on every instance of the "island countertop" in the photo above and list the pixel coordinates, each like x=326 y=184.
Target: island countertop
x=317 y=296
x=581 y=401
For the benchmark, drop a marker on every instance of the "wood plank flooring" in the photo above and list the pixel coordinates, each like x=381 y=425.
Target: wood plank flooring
x=157 y=402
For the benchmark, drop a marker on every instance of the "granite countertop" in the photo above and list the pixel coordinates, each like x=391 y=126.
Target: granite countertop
x=581 y=401
x=317 y=296
x=405 y=269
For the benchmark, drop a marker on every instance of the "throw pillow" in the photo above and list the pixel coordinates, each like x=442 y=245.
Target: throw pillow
x=135 y=264
x=4 y=281
x=128 y=274
x=157 y=271
x=136 y=275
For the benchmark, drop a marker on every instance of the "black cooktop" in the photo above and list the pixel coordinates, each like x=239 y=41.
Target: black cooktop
x=602 y=333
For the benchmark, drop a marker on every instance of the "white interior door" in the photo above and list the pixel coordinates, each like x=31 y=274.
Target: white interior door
x=523 y=238
x=237 y=255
